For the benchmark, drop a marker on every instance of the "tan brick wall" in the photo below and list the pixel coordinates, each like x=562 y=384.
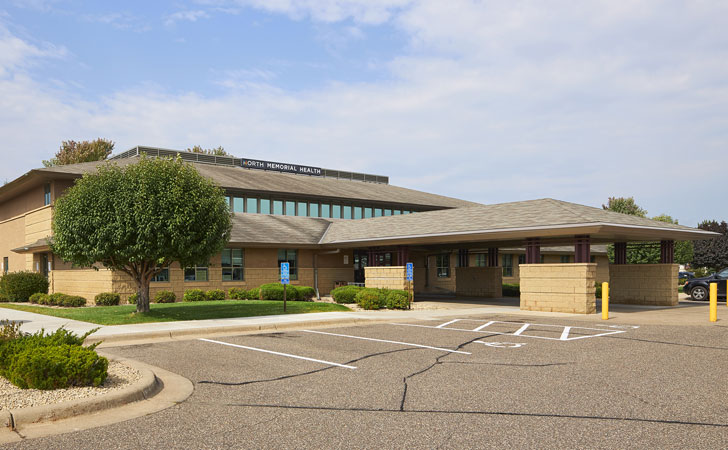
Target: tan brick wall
x=84 y=282
x=558 y=287
x=643 y=284
x=385 y=277
x=486 y=282
x=13 y=236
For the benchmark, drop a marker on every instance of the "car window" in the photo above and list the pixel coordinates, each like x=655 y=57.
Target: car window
x=723 y=274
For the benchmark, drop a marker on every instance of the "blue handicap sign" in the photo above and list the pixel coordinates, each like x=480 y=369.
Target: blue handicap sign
x=285 y=273
x=410 y=271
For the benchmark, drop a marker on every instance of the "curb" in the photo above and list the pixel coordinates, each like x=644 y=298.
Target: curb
x=143 y=389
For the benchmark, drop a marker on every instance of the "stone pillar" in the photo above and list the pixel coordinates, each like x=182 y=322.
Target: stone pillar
x=483 y=282
x=533 y=251
x=667 y=252
x=620 y=253
x=643 y=284
x=560 y=287
x=493 y=257
x=392 y=277
x=582 y=249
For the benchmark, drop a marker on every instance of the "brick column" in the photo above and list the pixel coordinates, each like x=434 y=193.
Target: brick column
x=620 y=253
x=667 y=252
x=582 y=249
x=493 y=257
x=533 y=251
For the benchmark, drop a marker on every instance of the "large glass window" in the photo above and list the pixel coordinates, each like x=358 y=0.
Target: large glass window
x=302 y=209
x=367 y=213
x=278 y=207
x=397 y=212
x=232 y=264
x=290 y=208
x=264 y=206
x=347 y=212
x=198 y=273
x=443 y=265
x=405 y=212
x=481 y=260
x=238 y=204
x=325 y=210
x=47 y=194
x=357 y=212
x=336 y=212
x=291 y=257
x=251 y=205
x=387 y=212
x=162 y=276
x=507 y=265
x=313 y=210
x=377 y=212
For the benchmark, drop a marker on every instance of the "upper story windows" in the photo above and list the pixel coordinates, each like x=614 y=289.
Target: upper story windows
x=47 y=194
x=290 y=207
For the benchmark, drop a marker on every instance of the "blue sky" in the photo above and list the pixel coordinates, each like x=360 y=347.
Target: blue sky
x=487 y=101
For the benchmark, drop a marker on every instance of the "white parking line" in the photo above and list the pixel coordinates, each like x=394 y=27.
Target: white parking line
x=447 y=323
x=388 y=342
x=521 y=330
x=279 y=353
x=564 y=334
x=483 y=326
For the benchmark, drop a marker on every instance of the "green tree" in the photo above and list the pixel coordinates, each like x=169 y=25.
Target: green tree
x=72 y=152
x=141 y=218
x=219 y=151
x=625 y=206
x=712 y=253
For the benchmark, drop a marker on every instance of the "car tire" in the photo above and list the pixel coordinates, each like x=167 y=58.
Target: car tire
x=699 y=293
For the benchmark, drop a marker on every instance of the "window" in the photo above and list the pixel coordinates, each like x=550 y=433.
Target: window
x=521 y=259
x=723 y=274
x=251 y=205
x=264 y=206
x=325 y=211
x=507 y=265
x=481 y=260
x=357 y=212
x=162 y=276
x=347 y=212
x=5 y=264
x=387 y=212
x=367 y=213
x=232 y=264
x=377 y=212
x=47 y=194
x=290 y=208
x=227 y=201
x=278 y=207
x=313 y=209
x=289 y=256
x=238 y=205
x=397 y=212
x=336 y=212
x=198 y=273
x=443 y=265
x=302 y=209
x=565 y=259
x=405 y=211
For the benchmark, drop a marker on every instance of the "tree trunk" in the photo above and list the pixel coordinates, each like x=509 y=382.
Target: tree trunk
x=143 y=293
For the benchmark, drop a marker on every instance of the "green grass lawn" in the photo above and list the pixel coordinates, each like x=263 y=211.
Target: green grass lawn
x=170 y=312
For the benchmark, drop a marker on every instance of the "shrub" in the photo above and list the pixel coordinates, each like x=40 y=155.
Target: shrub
x=305 y=293
x=215 y=294
x=9 y=330
x=73 y=301
x=3 y=298
x=397 y=299
x=55 y=367
x=345 y=294
x=369 y=298
x=165 y=297
x=253 y=294
x=19 y=286
x=55 y=299
x=132 y=300
x=237 y=293
x=598 y=293
x=107 y=299
x=274 y=291
x=194 y=295
x=511 y=290
x=39 y=298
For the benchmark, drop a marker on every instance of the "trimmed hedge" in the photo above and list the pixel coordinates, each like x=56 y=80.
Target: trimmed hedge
x=511 y=290
x=215 y=294
x=194 y=295
x=19 y=286
x=253 y=294
x=39 y=298
x=397 y=299
x=4 y=298
x=59 y=299
x=369 y=298
x=165 y=297
x=107 y=299
x=274 y=291
x=345 y=294
x=305 y=293
x=237 y=294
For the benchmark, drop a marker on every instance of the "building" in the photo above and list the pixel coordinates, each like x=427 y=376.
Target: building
x=337 y=227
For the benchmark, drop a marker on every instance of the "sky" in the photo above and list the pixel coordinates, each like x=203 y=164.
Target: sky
x=488 y=101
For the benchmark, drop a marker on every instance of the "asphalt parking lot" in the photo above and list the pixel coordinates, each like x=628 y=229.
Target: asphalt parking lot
x=492 y=381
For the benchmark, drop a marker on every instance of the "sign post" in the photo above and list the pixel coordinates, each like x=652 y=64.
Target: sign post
x=410 y=279
x=285 y=280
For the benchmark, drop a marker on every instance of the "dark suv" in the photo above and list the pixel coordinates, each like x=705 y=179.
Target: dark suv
x=698 y=288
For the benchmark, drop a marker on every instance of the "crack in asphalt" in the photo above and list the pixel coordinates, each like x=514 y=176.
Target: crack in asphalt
x=484 y=413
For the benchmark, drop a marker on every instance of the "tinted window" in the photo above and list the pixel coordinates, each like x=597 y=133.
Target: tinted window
x=325 y=211
x=367 y=213
x=264 y=206
x=251 y=205
x=278 y=207
x=347 y=212
x=313 y=210
x=336 y=212
x=238 y=205
x=301 y=209
x=290 y=208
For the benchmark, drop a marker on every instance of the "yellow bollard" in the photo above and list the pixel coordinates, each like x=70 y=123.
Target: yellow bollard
x=605 y=301
x=713 y=302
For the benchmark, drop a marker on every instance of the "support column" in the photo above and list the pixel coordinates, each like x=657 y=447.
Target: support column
x=582 y=249
x=620 y=253
x=533 y=251
x=463 y=258
x=493 y=257
x=667 y=252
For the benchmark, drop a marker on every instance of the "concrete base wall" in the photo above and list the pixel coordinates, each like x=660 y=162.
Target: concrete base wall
x=643 y=284
x=385 y=277
x=485 y=282
x=558 y=287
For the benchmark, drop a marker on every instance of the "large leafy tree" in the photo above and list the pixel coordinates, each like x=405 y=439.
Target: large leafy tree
x=219 y=151
x=712 y=253
x=141 y=218
x=624 y=205
x=72 y=152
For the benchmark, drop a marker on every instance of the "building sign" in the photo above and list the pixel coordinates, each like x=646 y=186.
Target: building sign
x=410 y=271
x=280 y=167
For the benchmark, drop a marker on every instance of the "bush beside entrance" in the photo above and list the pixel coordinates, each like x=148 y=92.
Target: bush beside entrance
x=19 y=286
x=369 y=298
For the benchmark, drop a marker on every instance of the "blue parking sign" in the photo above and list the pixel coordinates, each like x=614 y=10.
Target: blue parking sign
x=285 y=273
x=410 y=271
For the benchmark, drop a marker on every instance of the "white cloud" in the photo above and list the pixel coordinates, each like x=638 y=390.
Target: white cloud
x=188 y=15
